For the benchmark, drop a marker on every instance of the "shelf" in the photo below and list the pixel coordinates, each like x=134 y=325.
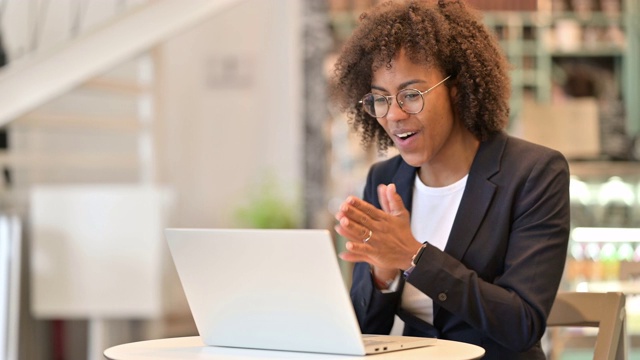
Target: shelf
x=605 y=169
x=604 y=51
x=520 y=47
x=526 y=78
x=511 y=18
x=537 y=19
x=533 y=41
x=605 y=235
x=595 y=18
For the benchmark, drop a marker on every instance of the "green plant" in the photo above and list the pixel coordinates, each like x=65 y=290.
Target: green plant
x=268 y=208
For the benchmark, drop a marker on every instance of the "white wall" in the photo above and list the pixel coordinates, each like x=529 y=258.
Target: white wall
x=230 y=105
x=223 y=128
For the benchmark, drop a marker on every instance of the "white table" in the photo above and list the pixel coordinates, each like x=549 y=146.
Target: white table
x=187 y=348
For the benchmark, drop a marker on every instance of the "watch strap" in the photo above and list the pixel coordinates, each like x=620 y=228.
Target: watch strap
x=414 y=259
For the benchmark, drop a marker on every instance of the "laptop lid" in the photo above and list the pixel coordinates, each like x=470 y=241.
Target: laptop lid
x=267 y=289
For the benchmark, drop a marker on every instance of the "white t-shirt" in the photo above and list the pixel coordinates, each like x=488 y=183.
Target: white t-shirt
x=432 y=214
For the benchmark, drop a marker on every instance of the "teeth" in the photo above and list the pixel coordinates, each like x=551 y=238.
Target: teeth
x=405 y=135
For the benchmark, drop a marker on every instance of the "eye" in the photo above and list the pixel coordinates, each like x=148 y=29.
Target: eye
x=379 y=100
x=408 y=96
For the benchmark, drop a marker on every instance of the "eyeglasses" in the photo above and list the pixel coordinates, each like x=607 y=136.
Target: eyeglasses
x=411 y=101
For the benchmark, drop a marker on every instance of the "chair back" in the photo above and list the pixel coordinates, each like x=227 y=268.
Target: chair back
x=606 y=311
x=629 y=270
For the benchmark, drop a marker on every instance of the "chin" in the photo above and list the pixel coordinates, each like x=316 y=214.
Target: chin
x=412 y=160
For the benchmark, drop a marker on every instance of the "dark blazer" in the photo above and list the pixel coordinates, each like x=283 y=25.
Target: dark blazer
x=495 y=282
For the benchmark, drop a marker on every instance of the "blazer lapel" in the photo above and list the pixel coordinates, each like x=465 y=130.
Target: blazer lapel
x=476 y=198
x=477 y=195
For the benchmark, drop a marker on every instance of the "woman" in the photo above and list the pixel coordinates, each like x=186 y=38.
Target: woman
x=464 y=234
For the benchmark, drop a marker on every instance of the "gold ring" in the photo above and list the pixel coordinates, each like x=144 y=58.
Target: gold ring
x=368 y=237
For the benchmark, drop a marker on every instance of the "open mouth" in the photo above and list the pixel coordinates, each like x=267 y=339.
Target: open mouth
x=406 y=135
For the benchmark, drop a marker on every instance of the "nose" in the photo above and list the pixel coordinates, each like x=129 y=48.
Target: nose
x=395 y=112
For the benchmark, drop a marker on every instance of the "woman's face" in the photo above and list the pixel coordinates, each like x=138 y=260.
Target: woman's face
x=430 y=136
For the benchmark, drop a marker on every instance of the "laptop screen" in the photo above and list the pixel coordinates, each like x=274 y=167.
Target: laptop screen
x=266 y=289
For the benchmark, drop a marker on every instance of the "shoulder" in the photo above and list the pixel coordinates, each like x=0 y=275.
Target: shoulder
x=506 y=154
x=518 y=146
x=516 y=152
x=522 y=153
x=514 y=160
x=503 y=144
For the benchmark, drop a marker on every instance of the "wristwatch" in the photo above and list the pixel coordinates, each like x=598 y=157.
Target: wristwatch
x=414 y=259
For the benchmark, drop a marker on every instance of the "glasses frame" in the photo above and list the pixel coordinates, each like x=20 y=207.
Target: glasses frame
x=389 y=99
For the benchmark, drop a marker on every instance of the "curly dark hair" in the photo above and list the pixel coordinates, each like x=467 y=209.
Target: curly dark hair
x=445 y=34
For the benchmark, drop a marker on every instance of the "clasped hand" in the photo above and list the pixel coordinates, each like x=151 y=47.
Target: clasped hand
x=389 y=244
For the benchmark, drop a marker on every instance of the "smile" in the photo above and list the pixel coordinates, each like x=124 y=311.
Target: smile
x=405 y=135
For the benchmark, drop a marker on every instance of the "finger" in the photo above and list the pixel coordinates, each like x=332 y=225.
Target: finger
x=357 y=252
x=368 y=209
x=353 y=210
x=382 y=196
x=352 y=230
x=396 y=206
x=351 y=257
x=358 y=248
x=343 y=232
x=354 y=214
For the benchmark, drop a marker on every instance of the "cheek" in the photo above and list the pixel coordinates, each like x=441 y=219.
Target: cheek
x=438 y=126
x=443 y=111
x=434 y=119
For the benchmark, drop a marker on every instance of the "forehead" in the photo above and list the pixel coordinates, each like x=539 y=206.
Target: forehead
x=402 y=68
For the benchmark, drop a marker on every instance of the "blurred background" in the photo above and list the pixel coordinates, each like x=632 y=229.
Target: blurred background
x=119 y=118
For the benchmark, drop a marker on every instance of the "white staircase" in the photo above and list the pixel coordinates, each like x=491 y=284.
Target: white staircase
x=26 y=85
x=98 y=85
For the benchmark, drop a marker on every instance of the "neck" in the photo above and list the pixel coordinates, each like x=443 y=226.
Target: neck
x=455 y=163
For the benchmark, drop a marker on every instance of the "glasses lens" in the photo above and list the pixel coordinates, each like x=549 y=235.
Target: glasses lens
x=410 y=101
x=375 y=105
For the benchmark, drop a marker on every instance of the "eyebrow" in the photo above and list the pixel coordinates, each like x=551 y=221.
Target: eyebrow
x=401 y=86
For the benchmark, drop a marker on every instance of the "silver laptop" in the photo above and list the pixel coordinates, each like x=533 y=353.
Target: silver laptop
x=272 y=289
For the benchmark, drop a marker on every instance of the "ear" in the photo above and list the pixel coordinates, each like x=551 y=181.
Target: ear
x=453 y=97
x=453 y=91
